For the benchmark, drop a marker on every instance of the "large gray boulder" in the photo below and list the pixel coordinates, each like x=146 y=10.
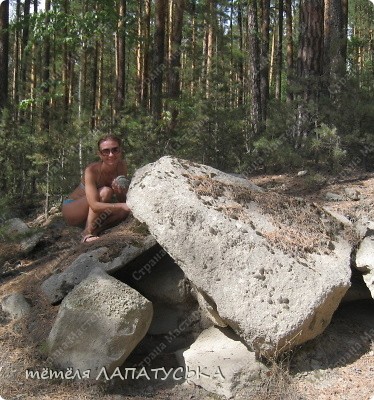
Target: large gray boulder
x=365 y=262
x=98 y=325
x=274 y=268
x=57 y=286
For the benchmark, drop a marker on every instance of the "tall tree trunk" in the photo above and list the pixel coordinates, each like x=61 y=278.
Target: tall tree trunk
x=34 y=74
x=25 y=40
x=175 y=58
x=16 y=58
x=309 y=63
x=241 y=56
x=265 y=34
x=278 y=85
x=254 y=69
x=4 y=52
x=193 y=48
x=100 y=88
x=272 y=58
x=121 y=57
x=158 y=58
x=46 y=73
x=66 y=68
x=95 y=74
x=146 y=55
x=344 y=42
x=290 y=49
x=310 y=56
x=334 y=43
x=209 y=45
x=139 y=54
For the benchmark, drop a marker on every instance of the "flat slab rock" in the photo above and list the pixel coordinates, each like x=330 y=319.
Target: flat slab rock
x=274 y=267
x=57 y=286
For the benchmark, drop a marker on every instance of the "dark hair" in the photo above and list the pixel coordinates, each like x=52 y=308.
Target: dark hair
x=109 y=137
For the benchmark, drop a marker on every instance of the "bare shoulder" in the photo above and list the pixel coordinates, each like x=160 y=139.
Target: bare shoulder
x=122 y=167
x=93 y=168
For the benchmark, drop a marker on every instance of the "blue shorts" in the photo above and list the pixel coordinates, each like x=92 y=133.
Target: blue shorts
x=67 y=201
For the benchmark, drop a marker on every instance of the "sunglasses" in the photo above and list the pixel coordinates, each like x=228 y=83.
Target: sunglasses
x=106 y=152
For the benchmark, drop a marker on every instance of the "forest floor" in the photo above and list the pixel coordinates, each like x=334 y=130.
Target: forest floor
x=339 y=364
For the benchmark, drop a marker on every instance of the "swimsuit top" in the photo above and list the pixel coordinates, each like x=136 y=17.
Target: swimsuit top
x=98 y=186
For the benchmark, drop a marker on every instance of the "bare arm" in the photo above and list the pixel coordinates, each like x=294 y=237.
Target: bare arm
x=119 y=191
x=92 y=193
x=93 y=197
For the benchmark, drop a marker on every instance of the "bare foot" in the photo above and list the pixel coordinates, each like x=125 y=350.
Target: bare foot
x=89 y=238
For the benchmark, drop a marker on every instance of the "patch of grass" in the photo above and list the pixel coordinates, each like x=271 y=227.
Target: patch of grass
x=314 y=181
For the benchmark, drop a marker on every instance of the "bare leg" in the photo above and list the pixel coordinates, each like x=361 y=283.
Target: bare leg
x=75 y=213
x=97 y=222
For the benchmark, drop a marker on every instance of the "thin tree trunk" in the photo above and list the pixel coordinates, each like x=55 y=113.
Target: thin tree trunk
x=95 y=74
x=34 y=75
x=272 y=59
x=100 y=94
x=66 y=69
x=25 y=40
x=47 y=195
x=146 y=56
x=241 y=60
x=278 y=85
x=265 y=23
x=139 y=55
x=121 y=57
x=209 y=46
x=16 y=57
x=4 y=52
x=290 y=49
x=344 y=42
x=254 y=68
x=46 y=73
x=193 y=49
x=175 y=58
x=158 y=58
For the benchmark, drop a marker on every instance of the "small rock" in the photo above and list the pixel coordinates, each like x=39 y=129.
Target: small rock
x=365 y=262
x=15 y=227
x=364 y=227
x=27 y=245
x=352 y=194
x=226 y=365
x=16 y=305
x=302 y=173
x=333 y=197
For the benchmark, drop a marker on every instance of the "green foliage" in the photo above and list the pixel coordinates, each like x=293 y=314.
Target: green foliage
x=325 y=144
x=206 y=124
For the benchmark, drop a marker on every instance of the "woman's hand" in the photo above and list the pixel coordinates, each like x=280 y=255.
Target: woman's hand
x=119 y=191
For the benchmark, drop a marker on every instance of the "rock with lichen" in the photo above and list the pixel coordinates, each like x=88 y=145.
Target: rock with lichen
x=273 y=268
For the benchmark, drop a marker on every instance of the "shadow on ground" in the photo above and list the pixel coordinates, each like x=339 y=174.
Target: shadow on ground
x=349 y=336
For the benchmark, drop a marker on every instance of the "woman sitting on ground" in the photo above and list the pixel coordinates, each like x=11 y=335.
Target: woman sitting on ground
x=91 y=203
